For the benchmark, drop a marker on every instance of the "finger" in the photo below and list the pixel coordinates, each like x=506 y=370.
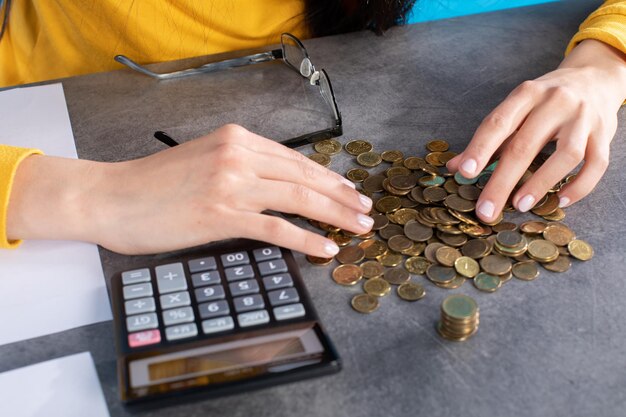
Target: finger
x=313 y=176
x=298 y=199
x=596 y=163
x=570 y=150
x=234 y=134
x=280 y=232
x=494 y=130
x=453 y=164
x=513 y=163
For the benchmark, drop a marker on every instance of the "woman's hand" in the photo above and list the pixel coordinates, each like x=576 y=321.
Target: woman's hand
x=576 y=105
x=212 y=188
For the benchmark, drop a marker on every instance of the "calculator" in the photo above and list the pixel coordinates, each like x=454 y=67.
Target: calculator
x=227 y=318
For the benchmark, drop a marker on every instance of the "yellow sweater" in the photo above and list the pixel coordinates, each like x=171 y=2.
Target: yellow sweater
x=52 y=39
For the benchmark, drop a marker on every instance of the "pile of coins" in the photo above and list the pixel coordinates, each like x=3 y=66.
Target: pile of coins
x=425 y=224
x=459 y=318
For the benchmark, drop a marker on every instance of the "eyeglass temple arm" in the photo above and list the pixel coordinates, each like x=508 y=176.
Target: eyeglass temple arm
x=213 y=66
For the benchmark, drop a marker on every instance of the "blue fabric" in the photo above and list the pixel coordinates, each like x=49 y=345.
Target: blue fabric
x=425 y=10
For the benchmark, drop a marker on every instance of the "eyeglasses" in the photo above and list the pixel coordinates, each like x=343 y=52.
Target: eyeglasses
x=294 y=54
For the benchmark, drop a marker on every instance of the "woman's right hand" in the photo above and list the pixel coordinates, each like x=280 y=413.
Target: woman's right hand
x=212 y=188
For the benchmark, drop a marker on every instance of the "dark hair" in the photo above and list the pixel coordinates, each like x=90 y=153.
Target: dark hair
x=329 y=17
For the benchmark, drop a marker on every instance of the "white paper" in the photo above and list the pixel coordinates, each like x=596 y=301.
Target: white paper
x=64 y=387
x=46 y=286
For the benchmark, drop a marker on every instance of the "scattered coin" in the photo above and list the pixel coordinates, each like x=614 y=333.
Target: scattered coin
x=364 y=303
x=320 y=158
x=580 y=249
x=357 y=175
x=372 y=269
x=526 y=271
x=377 y=286
x=318 y=261
x=328 y=147
x=487 y=282
x=347 y=274
x=369 y=159
x=350 y=255
x=357 y=147
x=466 y=266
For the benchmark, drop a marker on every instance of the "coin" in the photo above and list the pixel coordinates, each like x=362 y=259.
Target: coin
x=455 y=283
x=446 y=255
x=509 y=238
x=319 y=261
x=395 y=171
x=559 y=234
x=388 y=204
x=396 y=276
x=526 y=271
x=372 y=269
x=434 y=194
x=390 y=231
x=476 y=248
x=375 y=249
x=350 y=255
x=549 y=205
x=377 y=286
x=504 y=226
x=495 y=264
x=320 y=158
x=392 y=156
x=580 y=249
x=328 y=147
x=357 y=175
x=440 y=274
x=469 y=192
x=459 y=204
x=411 y=291
x=459 y=318
x=364 y=303
x=374 y=183
x=542 y=250
x=402 y=182
x=339 y=238
x=417 y=232
x=533 y=227
x=347 y=274
x=390 y=259
x=561 y=264
x=466 y=266
x=486 y=282
x=417 y=265
x=369 y=159
x=437 y=145
x=399 y=243
x=431 y=249
x=356 y=147
x=380 y=221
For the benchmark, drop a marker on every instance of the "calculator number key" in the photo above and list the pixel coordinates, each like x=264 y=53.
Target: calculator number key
x=247 y=303
x=206 y=278
x=178 y=316
x=221 y=324
x=214 y=309
x=249 y=286
x=148 y=337
x=142 y=322
x=285 y=296
x=272 y=267
x=265 y=254
x=253 y=318
x=181 y=331
x=276 y=282
x=239 y=272
x=177 y=299
x=234 y=259
x=215 y=292
x=290 y=311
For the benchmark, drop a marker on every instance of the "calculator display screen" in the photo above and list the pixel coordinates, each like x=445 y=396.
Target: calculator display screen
x=238 y=359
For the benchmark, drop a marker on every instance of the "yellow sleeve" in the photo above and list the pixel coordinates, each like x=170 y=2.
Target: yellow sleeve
x=10 y=158
x=607 y=24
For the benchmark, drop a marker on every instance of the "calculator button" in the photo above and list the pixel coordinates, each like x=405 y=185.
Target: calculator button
x=177 y=299
x=249 y=286
x=136 y=276
x=206 y=278
x=142 y=322
x=233 y=259
x=289 y=312
x=202 y=264
x=181 y=331
x=277 y=281
x=218 y=325
x=171 y=278
x=286 y=296
x=272 y=267
x=137 y=291
x=141 y=305
x=214 y=309
x=148 y=337
x=215 y=292
x=265 y=254
x=239 y=272
x=249 y=302
x=178 y=316
x=253 y=318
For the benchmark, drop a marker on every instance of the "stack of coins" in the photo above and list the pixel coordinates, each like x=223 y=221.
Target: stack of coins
x=459 y=318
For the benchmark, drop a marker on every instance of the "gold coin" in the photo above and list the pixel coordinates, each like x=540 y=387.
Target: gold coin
x=328 y=147
x=372 y=269
x=319 y=261
x=377 y=286
x=357 y=175
x=414 y=163
x=417 y=265
x=434 y=194
x=433 y=159
x=339 y=238
x=374 y=183
x=431 y=249
x=369 y=159
x=542 y=250
x=380 y=221
x=320 y=158
x=350 y=255
x=411 y=291
x=476 y=248
x=457 y=203
x=375 y=249
x=580 y=249
x=446 y=255
x=402 y=182
x=440 y=274
x=469 y=192
x=455 y=283
x=388 y=204
x=415 y=250
x=557 y=215
x=486 y=282
x=390 y=231
x=357 y=147
x=505 y=226
x=559 y=234
x=328 y=227
x=399 y=243
x=404 y=215
x=547 y=206
x=526 y=271
x=437 y=146
x=533 y=227
x=496 y=264
x=392 y=156
x=509 y=238
x=390 y=259
x=459 y=307
x=395 y=171
x=562 y=264
x=417 y=232
x=364 y=303
x=466 y=266
x=347 y=274
x=396 y=276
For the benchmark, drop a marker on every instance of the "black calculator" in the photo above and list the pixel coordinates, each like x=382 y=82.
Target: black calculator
x=233 y=317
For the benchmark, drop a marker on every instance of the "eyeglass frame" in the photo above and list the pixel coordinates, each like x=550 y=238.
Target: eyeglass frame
x=306 y=70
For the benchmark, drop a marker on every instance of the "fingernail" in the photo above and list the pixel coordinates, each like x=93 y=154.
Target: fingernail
x=331 y=249
x=366 y=221
x=563 y=202
x=526 y=203
x=469 y=167
x=348 y=183
x=486 y=208
x=365 y=201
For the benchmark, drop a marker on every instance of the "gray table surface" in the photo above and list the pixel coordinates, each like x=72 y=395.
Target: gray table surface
x=552 y=347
